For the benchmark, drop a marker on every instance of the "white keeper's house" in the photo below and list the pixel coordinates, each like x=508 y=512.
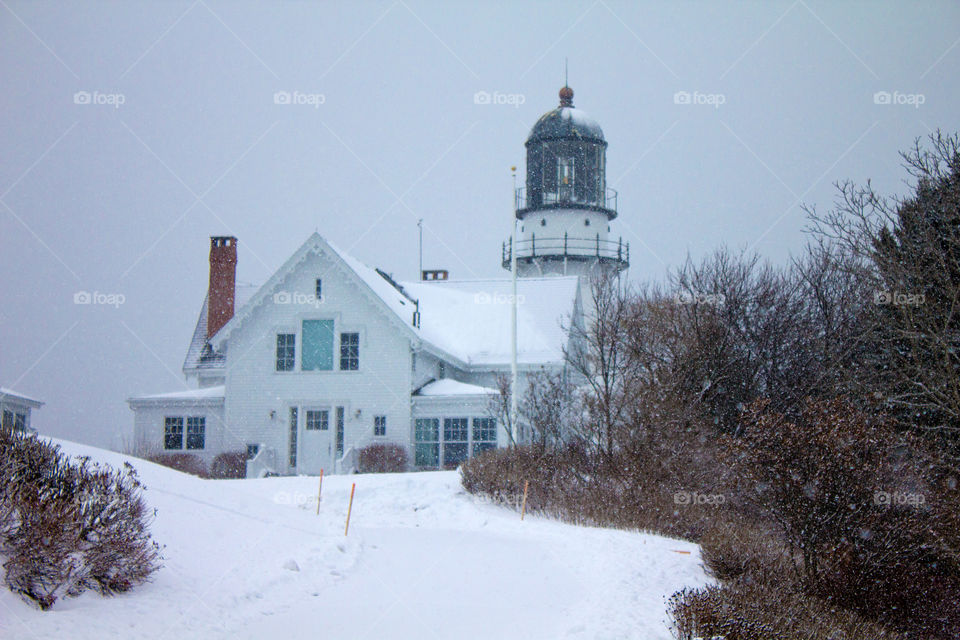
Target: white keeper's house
x=330 y=355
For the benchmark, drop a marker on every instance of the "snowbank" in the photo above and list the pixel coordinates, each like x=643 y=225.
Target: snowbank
x=252 y=559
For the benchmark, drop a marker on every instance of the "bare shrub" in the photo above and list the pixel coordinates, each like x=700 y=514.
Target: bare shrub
x=382 y=458
x=583 y=487
x=733 y=548
x=182 y=462
x=815 y=475
x=69 y=526
x=743 y=611
x=232 y=464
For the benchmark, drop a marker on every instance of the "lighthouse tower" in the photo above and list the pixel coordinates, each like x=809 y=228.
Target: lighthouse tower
x=565 y=209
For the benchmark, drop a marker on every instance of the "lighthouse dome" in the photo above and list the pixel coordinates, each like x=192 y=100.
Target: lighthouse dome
x=566 y=122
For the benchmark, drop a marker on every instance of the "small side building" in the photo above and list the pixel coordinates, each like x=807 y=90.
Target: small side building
x=16 y=409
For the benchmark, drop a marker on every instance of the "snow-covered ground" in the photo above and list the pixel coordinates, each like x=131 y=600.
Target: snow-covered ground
x=423 y=560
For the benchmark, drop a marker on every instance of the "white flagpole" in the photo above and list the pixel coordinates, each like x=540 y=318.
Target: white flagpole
x=513 y=324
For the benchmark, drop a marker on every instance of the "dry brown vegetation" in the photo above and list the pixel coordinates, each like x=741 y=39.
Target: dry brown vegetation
x=68 y=526
x=801 y=423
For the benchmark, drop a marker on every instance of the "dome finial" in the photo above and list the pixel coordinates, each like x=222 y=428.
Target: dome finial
x=566 y=94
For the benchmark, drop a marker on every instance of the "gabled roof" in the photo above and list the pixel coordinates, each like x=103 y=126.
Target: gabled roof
x=16 y=396
x=464 y=322
x=397 y=306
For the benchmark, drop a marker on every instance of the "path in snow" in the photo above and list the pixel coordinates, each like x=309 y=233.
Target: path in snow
x=251 y=559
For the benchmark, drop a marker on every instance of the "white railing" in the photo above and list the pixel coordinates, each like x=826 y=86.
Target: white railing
x=262 y=464
x=349 y=462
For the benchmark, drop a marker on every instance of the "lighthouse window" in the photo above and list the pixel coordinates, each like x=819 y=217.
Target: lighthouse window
x=586 y=222
x=565 y=176
x=543 y=222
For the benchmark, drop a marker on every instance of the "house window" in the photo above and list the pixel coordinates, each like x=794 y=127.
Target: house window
x=380 y=425
x=252 y=451
x=349 y=351
x=319 y=289
x=286 y=351
x=339 y=432
x=7 y=419
x=484 y=434
x=196 y=432
x=20 y=422
x=317 y=351
x=427 y=442
x=293 y=437
x=173 y=433
x=455 y=432
x=318 y=420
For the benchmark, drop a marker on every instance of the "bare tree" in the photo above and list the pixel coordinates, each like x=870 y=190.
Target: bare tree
x=597 y=356
x=549 y=408
x=906 y=252
x=499 y=408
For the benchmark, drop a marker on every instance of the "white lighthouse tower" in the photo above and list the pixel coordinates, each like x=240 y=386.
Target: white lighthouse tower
x=565 y=209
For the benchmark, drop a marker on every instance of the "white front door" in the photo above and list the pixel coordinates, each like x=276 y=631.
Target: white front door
x=315 y=449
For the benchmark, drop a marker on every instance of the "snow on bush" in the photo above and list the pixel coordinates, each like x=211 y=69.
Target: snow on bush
x=382 y=458
x=68 y=526
x=232 y=464
x=182 y=462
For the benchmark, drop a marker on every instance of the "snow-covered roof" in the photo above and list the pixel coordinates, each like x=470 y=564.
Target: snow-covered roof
x=466 y=322
x=16 y=396
x=471 y=318
x=566 y=122
x=205 y=395
x=449 y=387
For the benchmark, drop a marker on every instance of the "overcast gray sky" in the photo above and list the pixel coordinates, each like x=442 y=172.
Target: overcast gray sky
x=182 y=139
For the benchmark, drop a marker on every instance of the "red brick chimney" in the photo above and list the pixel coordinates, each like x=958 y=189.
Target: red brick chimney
x=223 y=282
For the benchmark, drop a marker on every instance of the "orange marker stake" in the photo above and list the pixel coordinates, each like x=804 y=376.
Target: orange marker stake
x=319 y=490
x=350 y=508
x=523 y=509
